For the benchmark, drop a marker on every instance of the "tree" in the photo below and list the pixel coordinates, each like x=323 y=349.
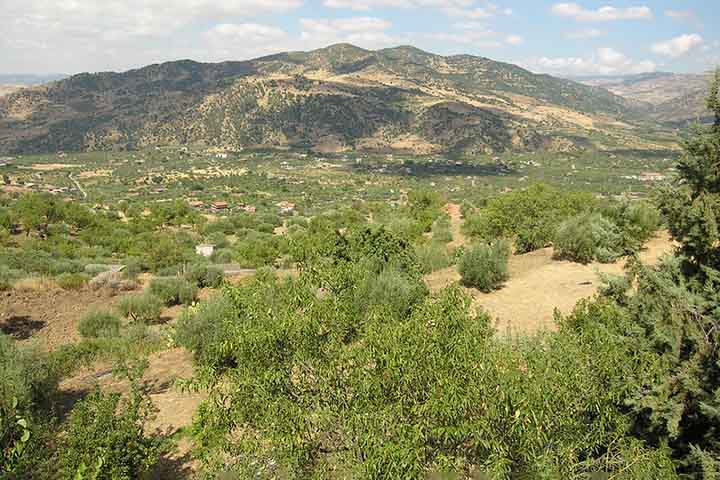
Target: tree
x=677 y=309
x=692 y=205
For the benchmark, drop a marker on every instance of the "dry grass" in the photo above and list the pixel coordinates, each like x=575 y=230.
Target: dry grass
x=35 y=284
x=539 y=285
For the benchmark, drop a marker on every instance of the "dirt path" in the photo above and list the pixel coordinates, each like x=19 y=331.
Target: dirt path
x=538 y=284
x=77 y=184
x=453 y=211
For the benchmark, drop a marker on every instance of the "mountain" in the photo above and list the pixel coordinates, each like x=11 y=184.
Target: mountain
x=8 y=89
x=666 y=97
x=336 y=98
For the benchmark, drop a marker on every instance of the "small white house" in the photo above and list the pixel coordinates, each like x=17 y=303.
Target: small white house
x=206 y=250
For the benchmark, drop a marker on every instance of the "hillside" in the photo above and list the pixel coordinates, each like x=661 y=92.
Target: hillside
x=666 y=97
x=8 y=89
x=333 y=99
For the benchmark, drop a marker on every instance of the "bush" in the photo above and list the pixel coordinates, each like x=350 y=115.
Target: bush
x=531 y=216
x=105 y=438
x=144 y=308
x=99 y=324
x=485 y=266
x=637 y=223
x=588 y=237
x=392 y=290
x=26 y=386
x=201 y=328
x=173 y=290
x=433 y=256
x=72 y=281
x=205 y=276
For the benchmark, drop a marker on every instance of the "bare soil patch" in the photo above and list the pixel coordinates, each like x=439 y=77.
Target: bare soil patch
x=48 y=317
x=538 y=285
x=453 y=211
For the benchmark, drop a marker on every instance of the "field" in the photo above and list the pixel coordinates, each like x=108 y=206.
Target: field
x=315 y=182
x=330 y=280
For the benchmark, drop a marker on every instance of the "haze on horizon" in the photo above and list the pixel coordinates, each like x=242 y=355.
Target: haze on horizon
x=581 y=38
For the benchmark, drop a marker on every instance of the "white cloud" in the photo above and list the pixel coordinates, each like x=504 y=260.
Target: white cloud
x=585 y=34
x=678 y=46
x=87 y=35
x=251 y=33
x=680 y=14
x=365 y=5
x=602 y=14
x=605 y=61
x=490 y=10
x=369 y=32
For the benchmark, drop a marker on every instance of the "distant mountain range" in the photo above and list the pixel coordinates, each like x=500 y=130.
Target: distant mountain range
x=29 y=80
x=10 y=83
x=666 y=97
x=333 y=99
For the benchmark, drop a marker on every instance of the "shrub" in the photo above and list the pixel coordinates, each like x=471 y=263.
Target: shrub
x=588 y=237
x=392 y=290
x=72 y=281
x=99 y=324
x=144 y=308
x=485 y=266
x=26 y=386
x=8 y=276
x=531 y=216
x=173 y=290
x=105 y=438
x=433 y=256
x=637 y=223
x=200 y=328
x=205 y=276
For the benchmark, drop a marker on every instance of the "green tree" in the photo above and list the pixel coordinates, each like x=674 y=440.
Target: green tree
x=677 y=309
x=692 y=205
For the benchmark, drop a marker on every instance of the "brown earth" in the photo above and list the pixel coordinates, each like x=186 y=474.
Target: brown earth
x=453 y=211
x=48 y=316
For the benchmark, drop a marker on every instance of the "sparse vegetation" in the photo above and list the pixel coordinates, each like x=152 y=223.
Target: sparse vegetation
x=353 y=351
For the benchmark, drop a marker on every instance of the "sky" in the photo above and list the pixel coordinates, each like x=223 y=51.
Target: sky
x=560 y=38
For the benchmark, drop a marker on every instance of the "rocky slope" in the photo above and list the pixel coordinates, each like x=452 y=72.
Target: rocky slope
x=337 y=98
x=666 y=97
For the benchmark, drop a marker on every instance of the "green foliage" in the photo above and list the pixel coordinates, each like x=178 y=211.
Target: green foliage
x=97 y=324
x=391 y=290
x=588 y=237
x=424 y=207
x=26 y=386
x=636 y=221
x=105 y=437
x=72 y=281
x=433 y=256
x=530 y=216
x=310 y=390
x=485 y=266
x=173 y=290
x=205 y=276
x=143 y=308
x=202 y=329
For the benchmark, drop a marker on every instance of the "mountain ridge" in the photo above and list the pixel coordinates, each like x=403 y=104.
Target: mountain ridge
x=338 y=97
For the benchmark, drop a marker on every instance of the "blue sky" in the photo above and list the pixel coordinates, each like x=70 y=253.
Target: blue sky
x=563 y=38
